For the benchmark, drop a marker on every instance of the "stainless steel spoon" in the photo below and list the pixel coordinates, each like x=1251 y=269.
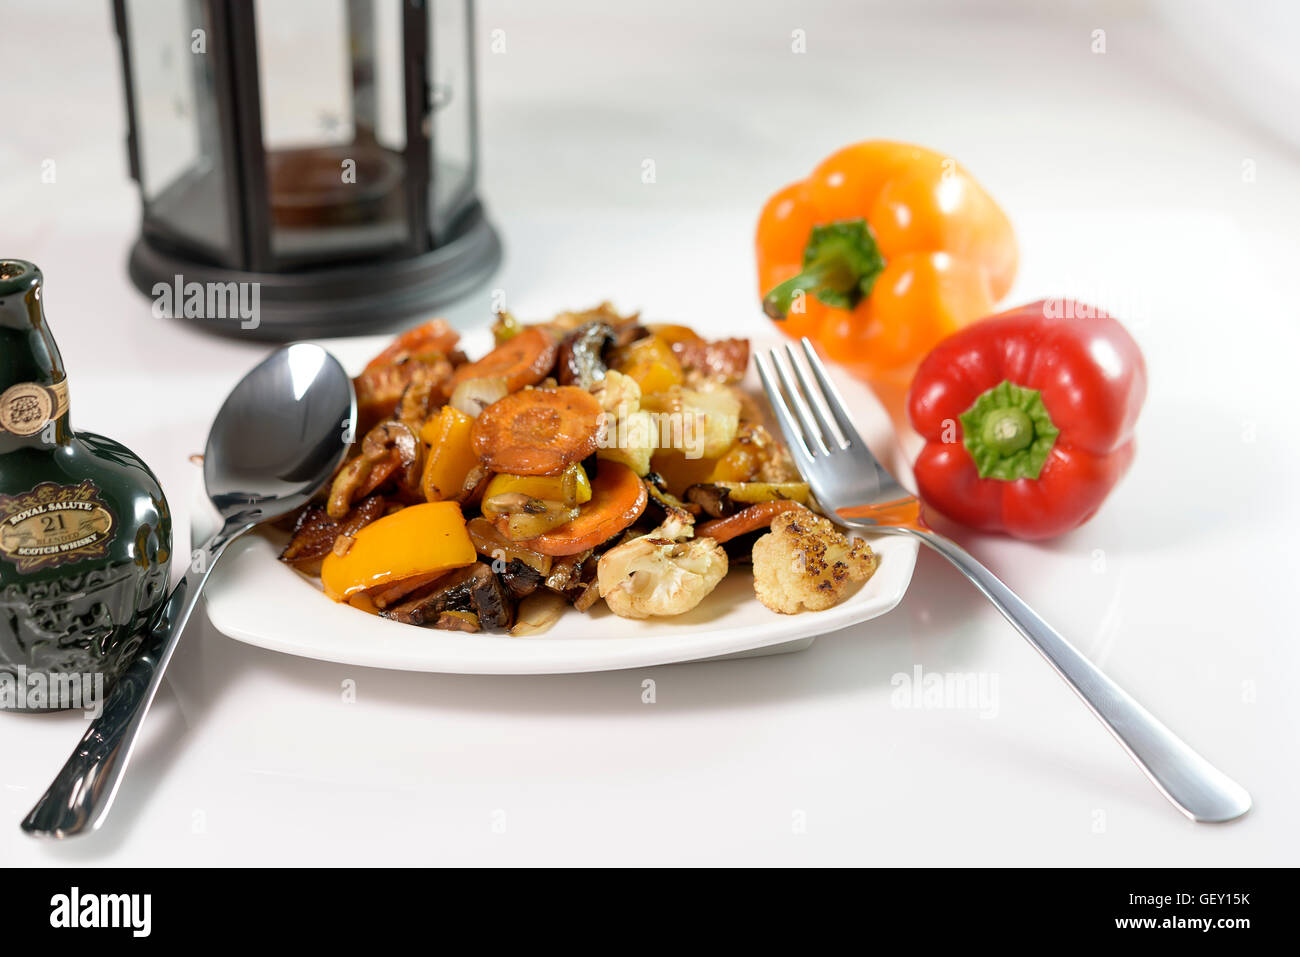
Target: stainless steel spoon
x=277 y=439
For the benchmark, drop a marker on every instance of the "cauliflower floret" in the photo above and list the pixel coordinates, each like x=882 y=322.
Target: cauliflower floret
x=716 y=411
x=617 y=394
x=631 y=441
x=662 y=573
x=804 y=563
x=701 y=422
x=631 y=436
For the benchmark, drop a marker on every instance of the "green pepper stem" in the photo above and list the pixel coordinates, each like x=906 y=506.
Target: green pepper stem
x=840 y=265
x=830 y=271
x=1009 y=432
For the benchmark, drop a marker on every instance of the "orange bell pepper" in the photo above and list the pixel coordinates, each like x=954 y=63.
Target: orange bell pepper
x=650 y=361
x=418 y=540
x=883 y=251
x=451 y=454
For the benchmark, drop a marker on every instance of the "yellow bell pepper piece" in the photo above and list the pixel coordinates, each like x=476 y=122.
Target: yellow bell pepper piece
x=740 y=464
x=651 y=362
x=672 y=333
x=451 y=454
x=679 y=472
x=418 y=540
x=751 y=493
x=570 y=487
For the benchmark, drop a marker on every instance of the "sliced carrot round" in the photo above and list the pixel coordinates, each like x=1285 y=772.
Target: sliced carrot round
x=538 y=431
x=746 y=520
x=525 y=359
x=618 y=497
x=434 y=336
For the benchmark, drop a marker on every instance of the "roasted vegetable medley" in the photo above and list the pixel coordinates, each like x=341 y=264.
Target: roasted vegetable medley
x=585 y=459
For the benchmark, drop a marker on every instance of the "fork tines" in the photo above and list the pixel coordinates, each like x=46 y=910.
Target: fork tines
x=819 y=423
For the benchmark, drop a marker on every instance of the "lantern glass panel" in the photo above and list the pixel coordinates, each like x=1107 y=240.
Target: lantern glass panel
x=333 y=127
x=178 y=134
x=452 y=136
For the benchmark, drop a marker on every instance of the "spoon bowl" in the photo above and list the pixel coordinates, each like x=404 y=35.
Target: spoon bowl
x=280 y=434
x=274 y=444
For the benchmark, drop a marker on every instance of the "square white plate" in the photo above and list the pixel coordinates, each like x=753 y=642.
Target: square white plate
x=254 y=598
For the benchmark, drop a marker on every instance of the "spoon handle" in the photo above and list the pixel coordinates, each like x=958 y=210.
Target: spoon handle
x=81 y=794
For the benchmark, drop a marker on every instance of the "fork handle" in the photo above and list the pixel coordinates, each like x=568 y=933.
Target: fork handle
x=1195 y=786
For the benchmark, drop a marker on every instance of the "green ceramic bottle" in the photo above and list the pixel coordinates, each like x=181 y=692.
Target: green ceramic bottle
x=85 y=533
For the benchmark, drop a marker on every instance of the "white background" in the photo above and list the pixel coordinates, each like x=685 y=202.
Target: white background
x=1129 y=177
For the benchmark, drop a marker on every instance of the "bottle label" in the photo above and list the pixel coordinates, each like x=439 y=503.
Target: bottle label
x=54 y=525
x=27 y=407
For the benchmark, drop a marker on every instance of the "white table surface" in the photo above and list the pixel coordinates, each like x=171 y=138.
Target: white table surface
x=1124 y=175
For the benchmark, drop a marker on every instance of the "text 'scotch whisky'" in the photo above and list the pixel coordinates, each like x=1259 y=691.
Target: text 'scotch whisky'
x=85 y=533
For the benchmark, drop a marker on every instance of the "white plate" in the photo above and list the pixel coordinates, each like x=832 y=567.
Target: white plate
x=254 y=598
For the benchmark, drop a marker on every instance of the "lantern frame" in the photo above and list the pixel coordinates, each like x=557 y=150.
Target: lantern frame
x=447 y=251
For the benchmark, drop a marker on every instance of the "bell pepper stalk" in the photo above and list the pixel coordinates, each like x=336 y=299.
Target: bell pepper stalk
x=1028 y=418
x=885 y=249
x=840 y=265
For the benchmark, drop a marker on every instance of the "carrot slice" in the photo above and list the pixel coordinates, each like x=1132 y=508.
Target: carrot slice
x=746 y=520
x=525 y=359
x=538 y=431
x=434 y=336
x=618 y=497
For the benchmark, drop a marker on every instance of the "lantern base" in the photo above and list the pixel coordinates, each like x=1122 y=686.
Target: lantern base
x=339 y=299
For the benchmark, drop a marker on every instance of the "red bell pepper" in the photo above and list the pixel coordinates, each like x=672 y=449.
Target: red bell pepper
x=1028 y=418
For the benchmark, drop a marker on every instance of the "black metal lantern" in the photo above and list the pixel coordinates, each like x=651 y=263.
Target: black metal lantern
x=323 y=152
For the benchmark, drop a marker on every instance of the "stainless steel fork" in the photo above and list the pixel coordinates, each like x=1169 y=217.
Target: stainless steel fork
x=855 y=490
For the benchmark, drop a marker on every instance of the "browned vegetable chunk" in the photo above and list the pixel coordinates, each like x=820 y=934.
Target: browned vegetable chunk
x=747 y=519
x=713 y=499
x=389 y=450
x=521 y=580
x=581 y=361
x=720 y=360
x=315 y=532
x=390 y=594
x=472 y=589
x=381 y=387
x=457 y=621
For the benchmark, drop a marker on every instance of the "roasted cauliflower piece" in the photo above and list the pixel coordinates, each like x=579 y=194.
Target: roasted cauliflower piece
x=805 y=564
x=663 y=573
x=617 y=394
x=701 y=422
x=632 y=435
